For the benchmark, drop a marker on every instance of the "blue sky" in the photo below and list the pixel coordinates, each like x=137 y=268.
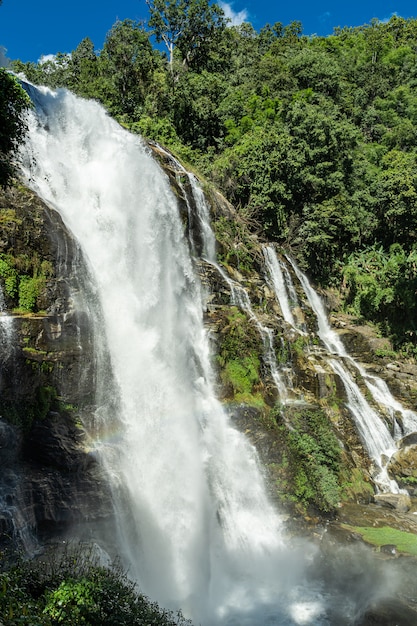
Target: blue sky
x=31 y=29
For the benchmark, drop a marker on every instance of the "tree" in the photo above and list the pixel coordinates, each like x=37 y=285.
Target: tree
x=13 y=101
x=84 y=69
x=397 y=198
x=127 y=62
x=186 y=24
x=196 y=108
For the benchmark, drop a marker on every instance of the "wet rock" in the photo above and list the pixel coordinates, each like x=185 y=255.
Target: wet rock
x=389 y=613
x=9 y=443
x=403 y=467
x=408 y=440
x=399 y=502
x=48 y=482
x=56 y=442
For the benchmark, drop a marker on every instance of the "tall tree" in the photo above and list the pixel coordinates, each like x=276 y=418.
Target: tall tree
x=186 y=24
x=127 y=62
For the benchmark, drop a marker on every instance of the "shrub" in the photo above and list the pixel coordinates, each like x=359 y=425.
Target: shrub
x=72 y=588
x=314 y=456
x=9 y=275
x=239 y=358
x=29 y=291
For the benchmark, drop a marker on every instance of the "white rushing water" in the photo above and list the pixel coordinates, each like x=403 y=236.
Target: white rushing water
x=201 y=214
x=279 y=284
x=371 y=426
x=7 y=337
x=238 y=295
x=195 y=526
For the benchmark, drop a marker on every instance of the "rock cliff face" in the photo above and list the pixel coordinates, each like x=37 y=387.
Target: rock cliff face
x=315 y=457
x=316 y=404
x=48 y=481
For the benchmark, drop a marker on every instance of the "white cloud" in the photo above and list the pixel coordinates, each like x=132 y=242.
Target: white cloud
x=62 y=60
x=387 y=19
x=235 y=17
x=45 y=58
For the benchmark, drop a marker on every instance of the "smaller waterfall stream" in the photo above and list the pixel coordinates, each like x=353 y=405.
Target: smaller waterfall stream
x=239 y=295
x=201 y=214
x=374 y=433
x=283 y=288
x=6 y=332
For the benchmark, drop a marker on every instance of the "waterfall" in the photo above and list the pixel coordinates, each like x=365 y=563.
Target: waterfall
x=195 y=526
x=374 y=433
x=6 y=332
x=239 y=296
x=201 y=214
x=280 y=285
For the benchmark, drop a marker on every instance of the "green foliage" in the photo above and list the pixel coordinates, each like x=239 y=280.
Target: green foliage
x=239 y=359
x=46 y=396
x=299 y=344
x=189 y=25
x=128 y=61
x=24 y=279
x=235 y=246
x=313 y=455
x=71 y=588
x=311 y=138
x=397 y=198
x=196 y=114
x=29 y=291
x=22 y=413
x=354 y=487
x=242 y=375
x=9 y=275
x=73 y=601
x=13 y=102
x=381 y=286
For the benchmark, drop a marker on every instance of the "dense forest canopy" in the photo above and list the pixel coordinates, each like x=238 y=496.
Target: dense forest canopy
x=313 y=139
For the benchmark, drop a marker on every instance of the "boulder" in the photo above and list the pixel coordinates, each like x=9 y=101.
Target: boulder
x=403 y=466
x=398 y=501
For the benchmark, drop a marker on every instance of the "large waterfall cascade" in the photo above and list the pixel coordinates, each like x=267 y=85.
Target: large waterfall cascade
x=195 y=526
x=370 y=422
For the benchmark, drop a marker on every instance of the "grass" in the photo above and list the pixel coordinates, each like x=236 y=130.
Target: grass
x=386 y=535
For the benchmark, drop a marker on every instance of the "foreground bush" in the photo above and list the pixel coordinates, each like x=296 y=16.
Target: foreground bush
x=71 y=588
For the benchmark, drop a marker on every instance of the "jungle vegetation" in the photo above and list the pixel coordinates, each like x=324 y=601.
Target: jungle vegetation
x=313 y=139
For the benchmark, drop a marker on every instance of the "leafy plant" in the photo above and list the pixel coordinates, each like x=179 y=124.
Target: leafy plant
x=313 y=455
x=9 y=275
x=29 y=291
x=239 y=358
x=70 y=587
